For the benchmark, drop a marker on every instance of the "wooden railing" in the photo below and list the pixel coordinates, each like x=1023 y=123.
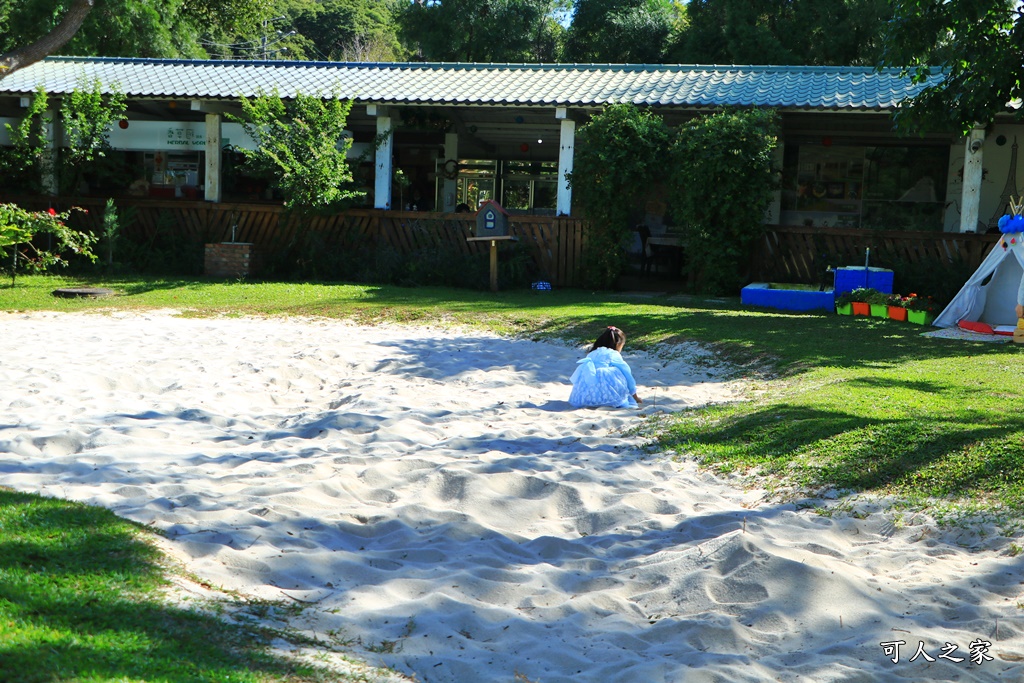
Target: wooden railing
x=556 y=243
x=800 y=254
x=787 y=253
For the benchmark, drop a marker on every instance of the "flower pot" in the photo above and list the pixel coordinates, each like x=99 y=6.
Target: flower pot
x=861 y=308
x=898 y=313
x=879 y=311
x=920 y=317
x=844 y=309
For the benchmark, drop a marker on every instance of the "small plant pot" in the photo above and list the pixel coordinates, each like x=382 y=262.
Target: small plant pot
x=844 y=309
x=920 y=317
x=879 y=311
x=861 y=308
x=898 y=313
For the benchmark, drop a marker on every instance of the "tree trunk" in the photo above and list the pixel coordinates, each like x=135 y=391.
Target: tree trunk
x=48 y=44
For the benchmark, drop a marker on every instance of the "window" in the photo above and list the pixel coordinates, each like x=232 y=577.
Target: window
x=530 y=186
x=893 y=187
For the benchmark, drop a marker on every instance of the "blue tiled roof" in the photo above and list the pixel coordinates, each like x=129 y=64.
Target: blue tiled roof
x=786 y=87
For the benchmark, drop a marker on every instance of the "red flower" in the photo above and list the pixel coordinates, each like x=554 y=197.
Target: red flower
x=51 y=211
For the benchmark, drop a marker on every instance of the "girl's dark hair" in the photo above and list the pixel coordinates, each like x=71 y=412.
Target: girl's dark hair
x=610 y=338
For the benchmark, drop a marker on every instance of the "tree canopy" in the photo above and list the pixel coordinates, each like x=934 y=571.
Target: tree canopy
x=620 y=31
x=979 y=44
x=481 y=31
x=349 y=30
x=15 y=54
x=816 y=32
x=129 y=28
x=812 y=32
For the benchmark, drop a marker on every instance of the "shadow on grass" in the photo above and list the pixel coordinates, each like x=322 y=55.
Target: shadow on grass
x=933 y=455
x=789 y=342
x=74 y=603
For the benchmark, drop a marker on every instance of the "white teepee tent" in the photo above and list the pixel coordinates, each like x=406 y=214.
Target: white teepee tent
x=990 y=295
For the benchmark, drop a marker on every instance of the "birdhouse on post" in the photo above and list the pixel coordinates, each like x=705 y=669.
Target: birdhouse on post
x=491 y=220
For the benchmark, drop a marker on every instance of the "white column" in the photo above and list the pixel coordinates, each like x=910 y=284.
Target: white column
x=383 y=162
x=971 y=198
x=451 y=153
x=54 y=136
x=566 y=152
x=213 y=157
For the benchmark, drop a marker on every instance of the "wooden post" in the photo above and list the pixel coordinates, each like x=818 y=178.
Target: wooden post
x=211 y=193
x=494 y=265
x=494 y=254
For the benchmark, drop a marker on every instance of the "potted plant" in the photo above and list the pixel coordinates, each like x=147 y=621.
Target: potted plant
x=897 y=307
x=878 y=303
x=920 y=309
x=859 y=299
x=844 y=304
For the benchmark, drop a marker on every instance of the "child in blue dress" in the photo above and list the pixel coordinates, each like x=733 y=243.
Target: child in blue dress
x=603 y=378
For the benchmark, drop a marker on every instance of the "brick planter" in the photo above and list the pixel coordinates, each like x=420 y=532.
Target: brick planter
x=230 y=259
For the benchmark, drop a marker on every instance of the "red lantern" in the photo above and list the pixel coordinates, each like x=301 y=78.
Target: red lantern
x=826 y=142
x=524 y=147
x=122 y=124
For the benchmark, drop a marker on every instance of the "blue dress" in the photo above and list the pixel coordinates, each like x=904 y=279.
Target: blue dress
x=602 y=379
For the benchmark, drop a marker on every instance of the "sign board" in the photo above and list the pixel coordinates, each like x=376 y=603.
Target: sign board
x=182 y=136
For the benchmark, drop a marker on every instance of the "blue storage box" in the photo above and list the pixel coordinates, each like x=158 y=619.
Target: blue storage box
x=855 y=277
x=771 y=296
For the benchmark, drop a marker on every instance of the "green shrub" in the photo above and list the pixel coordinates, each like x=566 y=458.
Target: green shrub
x=383 y=265
x=942 y=279
x=723 y=178
x=167 y=251
x=619 y=156
x=866 y=295
x=301 y=147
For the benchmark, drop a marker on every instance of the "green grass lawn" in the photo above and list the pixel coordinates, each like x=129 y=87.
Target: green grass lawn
x=80 y=601
x=860 y=404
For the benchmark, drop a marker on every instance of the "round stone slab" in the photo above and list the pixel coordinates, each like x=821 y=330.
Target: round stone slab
x=83 y=292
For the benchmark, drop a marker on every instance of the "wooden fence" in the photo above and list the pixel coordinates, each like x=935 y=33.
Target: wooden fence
x=556 y=243
x=800 y=254
x=787 y=253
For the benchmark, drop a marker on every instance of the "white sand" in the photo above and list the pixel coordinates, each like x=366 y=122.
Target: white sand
x=436 y=490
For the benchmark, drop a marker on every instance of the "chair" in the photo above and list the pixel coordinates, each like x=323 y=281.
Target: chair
x=645 y=249
x=651 y=255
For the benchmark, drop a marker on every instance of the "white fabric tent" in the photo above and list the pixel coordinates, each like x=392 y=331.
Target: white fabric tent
x=990 y=295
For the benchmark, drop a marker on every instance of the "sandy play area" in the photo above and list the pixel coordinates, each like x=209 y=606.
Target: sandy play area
x=432 y=498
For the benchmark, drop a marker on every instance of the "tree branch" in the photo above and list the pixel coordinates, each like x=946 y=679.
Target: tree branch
x=48 y=44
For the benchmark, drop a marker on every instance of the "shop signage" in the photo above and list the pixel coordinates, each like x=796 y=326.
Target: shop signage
x=181 y=136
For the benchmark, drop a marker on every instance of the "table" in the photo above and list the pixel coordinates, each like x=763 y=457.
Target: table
x=671 y=248
x=666 y=241
x=494 y=254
